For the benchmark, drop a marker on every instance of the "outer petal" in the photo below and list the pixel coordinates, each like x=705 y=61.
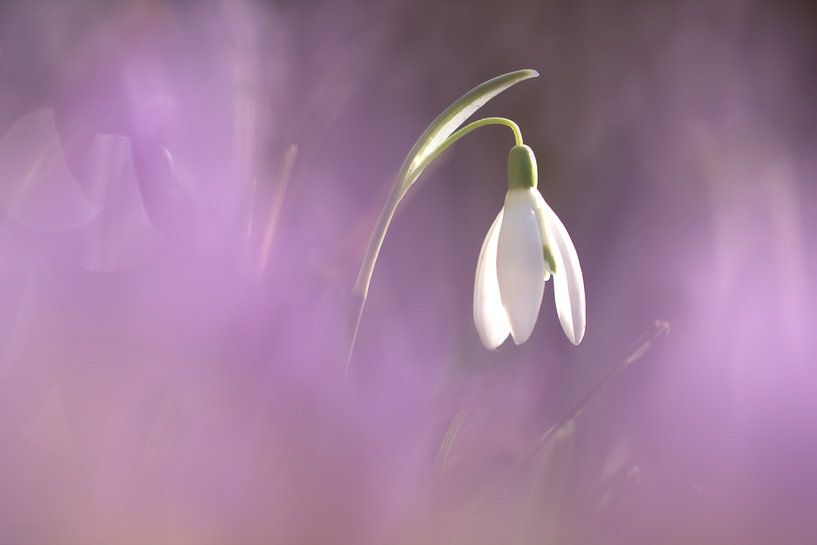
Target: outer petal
x=489 y=314
x=568 y=283
x=520 y=263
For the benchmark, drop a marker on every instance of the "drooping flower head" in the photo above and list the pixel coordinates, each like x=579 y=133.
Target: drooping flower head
x=524 y=247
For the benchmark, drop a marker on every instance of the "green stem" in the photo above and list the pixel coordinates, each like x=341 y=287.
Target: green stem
x=517 y=134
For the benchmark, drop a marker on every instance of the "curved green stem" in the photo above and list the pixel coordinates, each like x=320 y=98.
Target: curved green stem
x=517 y=134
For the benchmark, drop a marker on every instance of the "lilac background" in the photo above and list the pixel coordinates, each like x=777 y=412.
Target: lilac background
x=174 y=306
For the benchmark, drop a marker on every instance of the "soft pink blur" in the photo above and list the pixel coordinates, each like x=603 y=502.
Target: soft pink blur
x=186 y=192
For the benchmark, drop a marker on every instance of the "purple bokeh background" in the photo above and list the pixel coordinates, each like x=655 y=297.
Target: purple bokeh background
x=187 y=190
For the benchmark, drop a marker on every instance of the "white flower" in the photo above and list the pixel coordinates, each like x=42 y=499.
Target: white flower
x=525 y=246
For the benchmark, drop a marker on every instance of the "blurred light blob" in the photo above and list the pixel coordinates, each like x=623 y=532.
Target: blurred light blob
x=36 y=188
x=121 y=236
x=525 y=245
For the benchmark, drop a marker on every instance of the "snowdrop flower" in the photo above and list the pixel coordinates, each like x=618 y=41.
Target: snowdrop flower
x=524 y=247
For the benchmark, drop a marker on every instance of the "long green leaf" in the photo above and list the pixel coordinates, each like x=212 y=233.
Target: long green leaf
x=415 y=163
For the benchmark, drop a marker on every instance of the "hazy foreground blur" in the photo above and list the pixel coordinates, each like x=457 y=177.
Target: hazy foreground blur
x=186 y=191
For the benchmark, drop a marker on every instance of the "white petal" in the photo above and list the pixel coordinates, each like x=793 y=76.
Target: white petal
x=568 y=283
x=489 y=314
x=520 y=263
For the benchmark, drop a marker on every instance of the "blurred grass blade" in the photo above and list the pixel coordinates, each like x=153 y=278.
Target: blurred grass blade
x=637 y=350
x=548 y=485
x=415 y=163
